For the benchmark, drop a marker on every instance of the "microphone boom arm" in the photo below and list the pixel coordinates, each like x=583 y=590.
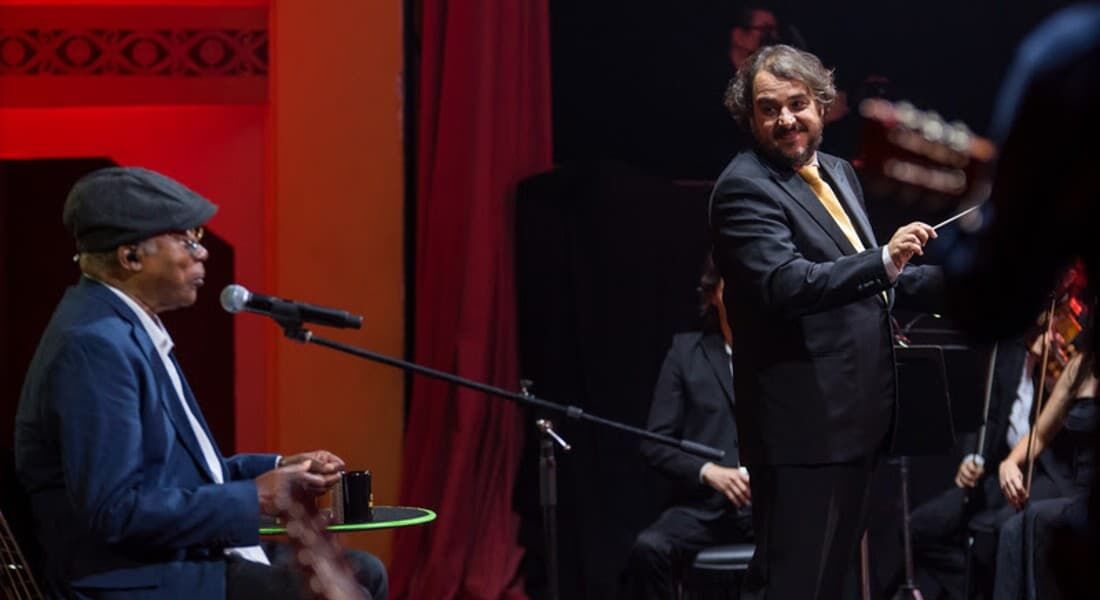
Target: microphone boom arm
x=294 y=331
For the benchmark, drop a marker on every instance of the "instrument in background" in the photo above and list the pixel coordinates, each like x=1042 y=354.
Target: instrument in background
x=325 y=571
x=1069 y=313
x=915 y=156
x=17 y=581
x=1059 y=327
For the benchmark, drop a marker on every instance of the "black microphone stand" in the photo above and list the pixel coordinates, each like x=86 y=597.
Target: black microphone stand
x=908 y=590
x=291 y=322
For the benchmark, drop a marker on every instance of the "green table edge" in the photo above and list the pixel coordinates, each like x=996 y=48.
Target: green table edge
x=428 y=517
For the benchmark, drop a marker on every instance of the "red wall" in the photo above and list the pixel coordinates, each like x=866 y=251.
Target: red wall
x=217 y=150
x=337 y=229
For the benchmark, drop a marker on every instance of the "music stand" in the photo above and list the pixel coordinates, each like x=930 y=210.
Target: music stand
x=922 y=425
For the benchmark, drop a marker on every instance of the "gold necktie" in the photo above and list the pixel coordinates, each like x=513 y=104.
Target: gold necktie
x=831 y=203
x=829 y=200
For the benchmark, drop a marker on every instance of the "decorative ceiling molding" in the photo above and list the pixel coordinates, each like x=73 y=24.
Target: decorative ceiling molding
x=105 y=52
x=111 y=55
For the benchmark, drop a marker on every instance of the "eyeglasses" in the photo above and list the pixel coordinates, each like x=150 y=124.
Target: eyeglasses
x=191 y=239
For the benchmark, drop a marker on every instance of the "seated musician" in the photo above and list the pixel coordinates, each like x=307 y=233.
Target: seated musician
x=693 y=400
x=975 y=506
x=1063 y=427
x=131 y=496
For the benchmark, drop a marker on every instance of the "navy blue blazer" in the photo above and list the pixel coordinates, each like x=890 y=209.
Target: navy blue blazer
x=124 y=503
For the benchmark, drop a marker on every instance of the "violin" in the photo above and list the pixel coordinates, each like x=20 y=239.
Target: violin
x=1059 y=327
x=1068 y=314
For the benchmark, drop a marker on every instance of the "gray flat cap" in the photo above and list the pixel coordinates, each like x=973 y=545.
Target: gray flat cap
x=122 y=205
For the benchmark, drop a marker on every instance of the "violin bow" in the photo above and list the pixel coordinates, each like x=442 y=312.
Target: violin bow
x=1047 y=339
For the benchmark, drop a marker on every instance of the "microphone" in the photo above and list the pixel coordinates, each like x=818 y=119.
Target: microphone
x=236 y=298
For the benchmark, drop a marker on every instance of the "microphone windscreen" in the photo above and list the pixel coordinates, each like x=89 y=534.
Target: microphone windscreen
x=235 y=297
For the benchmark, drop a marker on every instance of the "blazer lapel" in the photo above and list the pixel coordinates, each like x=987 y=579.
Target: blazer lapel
x=164 y=384
x=173 y=405
x=714 y=348
x=193 y=404
x=797 y=188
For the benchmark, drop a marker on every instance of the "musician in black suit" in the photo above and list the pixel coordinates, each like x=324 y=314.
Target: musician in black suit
x=814 y=365
x=976 y=505
x=693 y=400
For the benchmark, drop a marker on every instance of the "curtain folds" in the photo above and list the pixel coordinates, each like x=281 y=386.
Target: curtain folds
x=483 y=124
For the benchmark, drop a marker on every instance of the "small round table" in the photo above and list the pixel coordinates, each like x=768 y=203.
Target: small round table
x=385 y=517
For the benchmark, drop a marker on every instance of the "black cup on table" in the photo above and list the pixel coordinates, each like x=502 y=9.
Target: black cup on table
x=354 y=500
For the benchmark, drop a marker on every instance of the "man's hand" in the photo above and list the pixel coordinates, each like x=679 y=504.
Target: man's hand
x=909 y=240
x=733 y=483
x=1012 y=484
x=321 y=461
x=969 y=473
x=274 y=487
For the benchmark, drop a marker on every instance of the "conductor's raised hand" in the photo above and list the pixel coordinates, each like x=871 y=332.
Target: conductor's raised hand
x=908 y=241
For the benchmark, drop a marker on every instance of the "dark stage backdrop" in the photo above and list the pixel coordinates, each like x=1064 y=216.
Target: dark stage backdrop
x=608 y=262
x=642 y=80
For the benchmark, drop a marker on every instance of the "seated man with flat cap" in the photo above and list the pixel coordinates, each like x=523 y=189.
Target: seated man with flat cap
x=131 y=496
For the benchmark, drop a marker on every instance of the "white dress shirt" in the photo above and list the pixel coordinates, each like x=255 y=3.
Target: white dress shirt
x=1021 y=407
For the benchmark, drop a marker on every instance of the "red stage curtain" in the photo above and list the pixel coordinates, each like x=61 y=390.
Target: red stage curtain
x=484 y=124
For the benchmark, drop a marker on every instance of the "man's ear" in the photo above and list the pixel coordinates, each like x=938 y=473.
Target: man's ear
x=128 y=257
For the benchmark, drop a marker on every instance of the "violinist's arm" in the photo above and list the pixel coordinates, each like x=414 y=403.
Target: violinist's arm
x=1048 y=425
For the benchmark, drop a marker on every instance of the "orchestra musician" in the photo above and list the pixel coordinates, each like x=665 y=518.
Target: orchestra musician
x=1063 y=427
x=975 y=507
x=693 y=399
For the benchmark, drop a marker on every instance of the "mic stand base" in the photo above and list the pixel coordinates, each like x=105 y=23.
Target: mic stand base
x=548 y=499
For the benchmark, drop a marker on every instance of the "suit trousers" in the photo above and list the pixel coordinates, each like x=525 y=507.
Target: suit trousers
x=665 y=549
x=940 y=527
x=246 y=580
x=1023 y=568
x=808 y=520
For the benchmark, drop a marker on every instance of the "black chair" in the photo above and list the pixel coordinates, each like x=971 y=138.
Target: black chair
x=716 y=573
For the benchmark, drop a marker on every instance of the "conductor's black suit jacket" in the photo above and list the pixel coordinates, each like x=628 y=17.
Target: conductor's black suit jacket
x=693 y=400
x=814 y=368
